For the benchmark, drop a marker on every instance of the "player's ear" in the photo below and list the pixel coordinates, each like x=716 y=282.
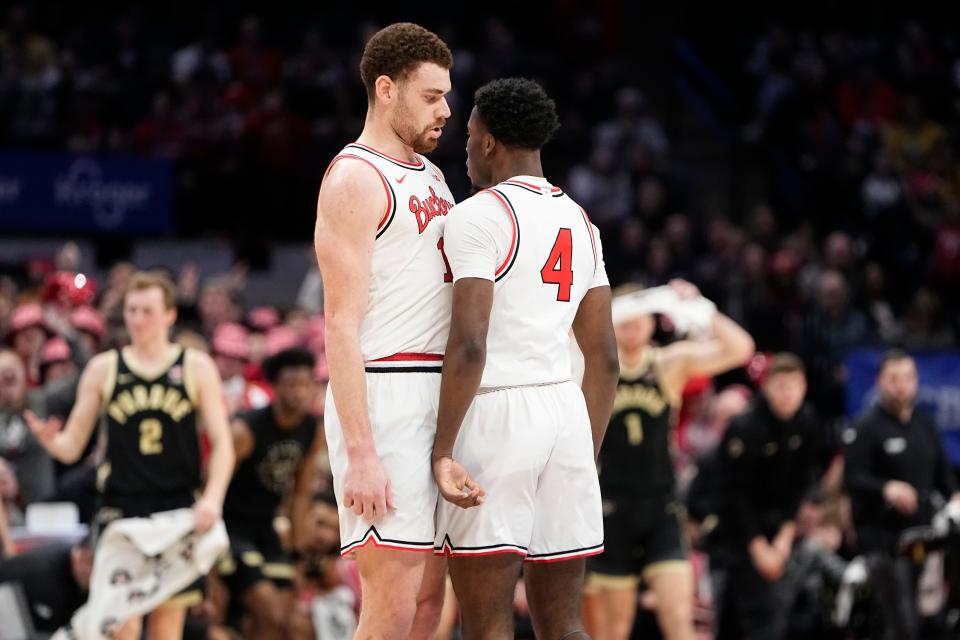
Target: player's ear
x=385 y=88
x=488 y=143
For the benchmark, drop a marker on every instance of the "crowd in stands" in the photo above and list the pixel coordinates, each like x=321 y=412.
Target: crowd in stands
x=853 y=239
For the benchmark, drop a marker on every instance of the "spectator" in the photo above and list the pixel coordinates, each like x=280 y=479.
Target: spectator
x=27 y=333
x=55 y=579
x=19 y=450
x=772 y=456
x=894 y=464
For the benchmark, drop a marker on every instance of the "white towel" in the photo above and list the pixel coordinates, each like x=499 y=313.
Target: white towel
x=139 y=564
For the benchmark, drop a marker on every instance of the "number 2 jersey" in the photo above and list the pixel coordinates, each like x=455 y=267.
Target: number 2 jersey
x=153 y=446
x=542 y=253
x=408 y=304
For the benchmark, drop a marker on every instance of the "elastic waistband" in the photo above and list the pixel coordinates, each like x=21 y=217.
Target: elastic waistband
x=407 y=363
x=483 y=390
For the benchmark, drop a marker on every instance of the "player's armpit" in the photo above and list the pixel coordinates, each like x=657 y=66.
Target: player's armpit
x=593 y=329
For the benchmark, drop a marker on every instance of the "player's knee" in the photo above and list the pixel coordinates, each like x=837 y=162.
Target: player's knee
x=390 y=618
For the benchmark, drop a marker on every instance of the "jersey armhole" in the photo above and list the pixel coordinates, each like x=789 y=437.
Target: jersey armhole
x=110 y=382
x=656 y=358
x=189 y=383
x=391 y=209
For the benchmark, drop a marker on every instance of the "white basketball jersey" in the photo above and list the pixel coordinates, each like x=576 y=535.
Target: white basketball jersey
x=408 y=305
x=543 y=254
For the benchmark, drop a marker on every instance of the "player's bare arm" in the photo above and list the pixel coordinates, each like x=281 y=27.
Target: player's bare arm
x=302 y=498
x=727 y=347
x=213 y=411
x=593 y=329
x=463 y=363
x=243 y=440
x=349 y=207
x=67 y=444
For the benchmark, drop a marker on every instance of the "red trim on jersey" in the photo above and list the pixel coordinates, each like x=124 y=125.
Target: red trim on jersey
x=532 y=186
x=412 y=357
x=383 y=179
x=513 y=221
x=417 y=164
x=585 y=554
x=593 y=241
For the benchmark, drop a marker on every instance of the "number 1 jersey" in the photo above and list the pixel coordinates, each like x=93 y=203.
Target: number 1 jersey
x=542 y=253
x=408 y=303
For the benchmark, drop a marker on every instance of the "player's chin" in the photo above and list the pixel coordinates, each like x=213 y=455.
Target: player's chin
x=426 y=145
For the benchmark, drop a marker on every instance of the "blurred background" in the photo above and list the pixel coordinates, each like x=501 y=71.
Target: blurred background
x=803 y=170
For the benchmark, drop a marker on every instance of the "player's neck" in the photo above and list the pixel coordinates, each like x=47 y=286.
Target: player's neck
x=285 y=419
x=152 y=350
x=378 y=134
x=631 y=359
x=518 y=163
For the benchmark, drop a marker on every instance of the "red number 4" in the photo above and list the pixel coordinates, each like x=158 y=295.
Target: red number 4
x=448 y=276
x=557 y=269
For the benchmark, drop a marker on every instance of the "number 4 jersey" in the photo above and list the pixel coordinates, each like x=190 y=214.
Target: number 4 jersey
x=542 y=253
x=152 y=439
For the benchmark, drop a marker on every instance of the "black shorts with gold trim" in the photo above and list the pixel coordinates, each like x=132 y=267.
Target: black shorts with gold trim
x=115 y=507
x=642 y=535
x=255 y=554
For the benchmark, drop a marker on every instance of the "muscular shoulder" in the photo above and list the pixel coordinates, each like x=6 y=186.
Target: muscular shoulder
x=351 y=180
x=352 y=186
x=101 y=366
x=199 y=365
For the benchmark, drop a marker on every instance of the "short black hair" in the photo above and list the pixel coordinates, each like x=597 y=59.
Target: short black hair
x=517 y=112
x=892 y=355
x=287 y=359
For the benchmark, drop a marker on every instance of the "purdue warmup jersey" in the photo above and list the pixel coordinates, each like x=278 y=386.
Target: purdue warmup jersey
x=267 y=476
x=408 y=303
x=635 y=455
x=153 y=446
x=542 y=253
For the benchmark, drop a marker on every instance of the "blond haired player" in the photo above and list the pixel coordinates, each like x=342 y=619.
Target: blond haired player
x=153 y=395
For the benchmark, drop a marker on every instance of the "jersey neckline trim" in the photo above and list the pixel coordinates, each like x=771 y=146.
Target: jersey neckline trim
x=129 y=359
x=417 y=166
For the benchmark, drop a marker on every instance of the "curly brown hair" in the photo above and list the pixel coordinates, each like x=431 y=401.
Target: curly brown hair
x=397 y=49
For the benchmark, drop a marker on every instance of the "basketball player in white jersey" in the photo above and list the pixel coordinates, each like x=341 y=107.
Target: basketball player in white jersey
x=516 y=438
x=387 y=294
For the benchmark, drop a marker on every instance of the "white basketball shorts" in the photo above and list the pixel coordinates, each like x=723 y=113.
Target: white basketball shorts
x=530 y=448
x=402 y=406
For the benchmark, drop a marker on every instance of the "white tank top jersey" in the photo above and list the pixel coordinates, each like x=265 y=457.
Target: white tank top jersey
x=539 y=248
x=408 y=306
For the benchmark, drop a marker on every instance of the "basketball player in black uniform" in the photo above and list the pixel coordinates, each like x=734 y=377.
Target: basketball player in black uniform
x=151 y=395
x=641 y=514
x=277 y=448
